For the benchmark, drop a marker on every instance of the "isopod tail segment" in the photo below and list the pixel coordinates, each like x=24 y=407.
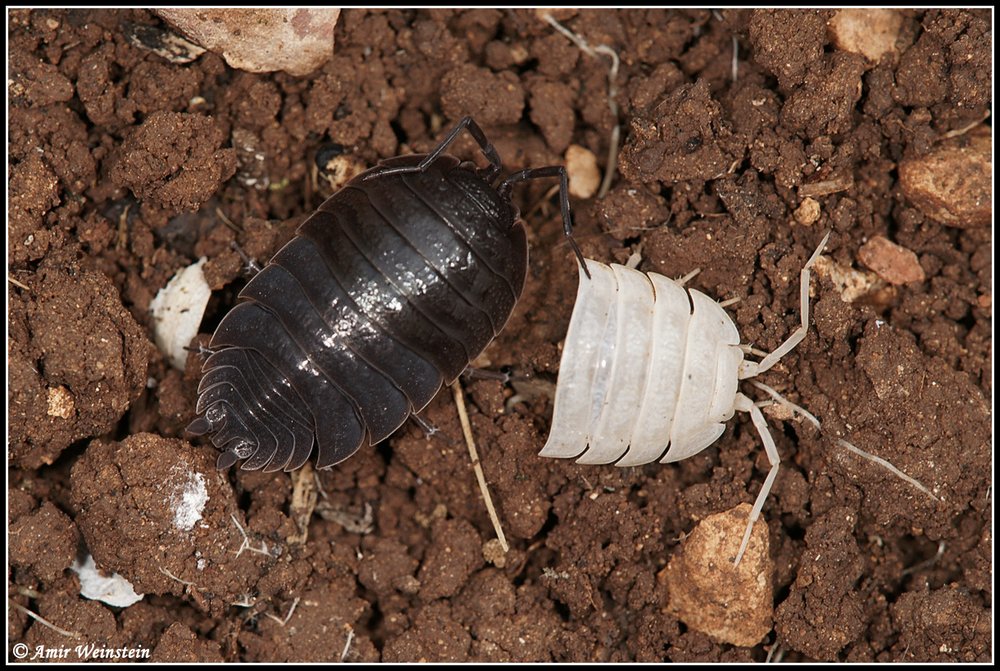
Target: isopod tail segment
x=492 y=171
x=650 y=371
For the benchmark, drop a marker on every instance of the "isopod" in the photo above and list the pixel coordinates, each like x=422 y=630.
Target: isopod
x=651 y=371
x=386 y=292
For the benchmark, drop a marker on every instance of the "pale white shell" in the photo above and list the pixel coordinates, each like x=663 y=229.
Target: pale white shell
x=177 y=311
x=114 y=591
x=649 y=371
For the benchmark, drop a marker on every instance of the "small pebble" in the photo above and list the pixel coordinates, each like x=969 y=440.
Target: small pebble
x=953 y=184
x=869 y=32
x=891 y=262
x=732 y=604
x=341 y=169
x=494 y=553
x=850 y=282
x=584 y=175
x=61 y=402
x=807 y=212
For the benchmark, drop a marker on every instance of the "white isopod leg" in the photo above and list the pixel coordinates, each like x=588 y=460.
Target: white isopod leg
x=744 y=404
x=751 y=369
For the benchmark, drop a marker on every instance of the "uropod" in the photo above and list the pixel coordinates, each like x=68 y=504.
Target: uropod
x=650 y=371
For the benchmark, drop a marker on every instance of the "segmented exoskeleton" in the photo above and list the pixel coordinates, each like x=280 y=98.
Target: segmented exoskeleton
x=386 y=292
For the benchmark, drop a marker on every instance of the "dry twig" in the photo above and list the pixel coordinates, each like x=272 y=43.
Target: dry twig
x=470 y=441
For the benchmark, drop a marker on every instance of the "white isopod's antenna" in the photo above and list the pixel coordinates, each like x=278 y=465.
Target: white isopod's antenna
x=750 y=369
x=781 y=400
x=744 y=404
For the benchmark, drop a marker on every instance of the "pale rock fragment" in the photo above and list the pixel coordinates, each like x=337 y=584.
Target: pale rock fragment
x=296 y=40
x=177 y=310
x=869 y=32
x=584 y=175
x=891 y=262
x=807 y=212
x=113 y=590
x=953 y=184
x=732 y=604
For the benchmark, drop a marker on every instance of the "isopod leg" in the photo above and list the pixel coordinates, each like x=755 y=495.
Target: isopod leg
x=471 y=373
x=201 y=350
x=749 y=369
x=250 y=265
x=551 y=171
x=746 y=405
x=687 y=278
x=430 y=430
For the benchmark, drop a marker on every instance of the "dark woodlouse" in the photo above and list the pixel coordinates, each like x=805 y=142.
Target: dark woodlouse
x=385 y=293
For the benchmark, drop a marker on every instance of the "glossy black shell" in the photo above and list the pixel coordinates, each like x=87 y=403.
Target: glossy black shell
x=385 y=293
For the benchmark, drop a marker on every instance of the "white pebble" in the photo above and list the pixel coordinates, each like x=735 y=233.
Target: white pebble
x=177 y=312
x=584 y=175
x=114 y=591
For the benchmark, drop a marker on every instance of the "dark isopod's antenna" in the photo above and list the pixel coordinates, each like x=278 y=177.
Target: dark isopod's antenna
x=467 y=123
x=490 y=173
x=551 y=171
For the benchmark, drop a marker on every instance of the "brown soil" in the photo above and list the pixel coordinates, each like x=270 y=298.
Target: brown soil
x=125 y=167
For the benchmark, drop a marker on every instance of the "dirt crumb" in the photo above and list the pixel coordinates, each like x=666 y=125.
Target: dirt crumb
x=153 y=497
x=180 y=644
x=320 y=625
x=44 y=541
x=787 y=43
x=928 y=630
x=85 y=352
x=685 y=138
x=174 y=160
x=434 y=637
x=825 y=585
x=455 y=553
x=88 y=622
x=490 y=98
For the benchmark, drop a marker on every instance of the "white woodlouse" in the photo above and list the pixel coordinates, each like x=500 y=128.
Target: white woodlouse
x=651 y=371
